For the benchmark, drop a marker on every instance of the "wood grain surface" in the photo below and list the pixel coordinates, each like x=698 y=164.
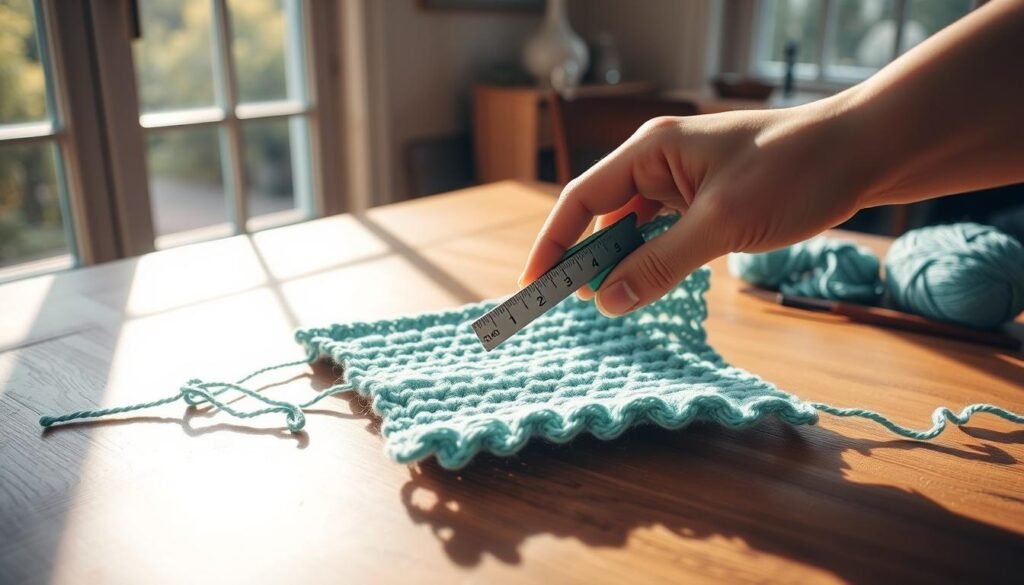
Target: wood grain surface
x=172 y=495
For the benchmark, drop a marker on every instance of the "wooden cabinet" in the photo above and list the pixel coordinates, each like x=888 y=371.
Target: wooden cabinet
x=511 y=126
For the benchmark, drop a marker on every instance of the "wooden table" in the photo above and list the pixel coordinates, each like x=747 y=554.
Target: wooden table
x=167 y=498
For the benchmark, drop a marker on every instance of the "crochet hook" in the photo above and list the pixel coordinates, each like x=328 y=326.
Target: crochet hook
x=884 y=317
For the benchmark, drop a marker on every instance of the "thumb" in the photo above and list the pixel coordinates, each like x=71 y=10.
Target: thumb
x=656 y=267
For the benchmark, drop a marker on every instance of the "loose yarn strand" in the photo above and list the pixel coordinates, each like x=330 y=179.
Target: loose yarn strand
x=47 y=421
x=939 y=418
x=310 y=358
x=196 y=392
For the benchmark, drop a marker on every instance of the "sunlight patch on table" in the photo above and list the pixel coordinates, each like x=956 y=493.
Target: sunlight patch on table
x=379 y=289
x=217 y=340
x=193 y=274
x=19 y=318
x=317 y=245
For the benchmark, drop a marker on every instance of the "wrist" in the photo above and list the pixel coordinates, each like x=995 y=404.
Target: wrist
x=861 y=146
x=838 y=149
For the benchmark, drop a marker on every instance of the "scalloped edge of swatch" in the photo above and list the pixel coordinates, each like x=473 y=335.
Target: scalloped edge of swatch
x=454 y=448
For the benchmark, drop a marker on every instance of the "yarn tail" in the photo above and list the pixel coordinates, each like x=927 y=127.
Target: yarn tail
x=939 y=418
x=196 y=392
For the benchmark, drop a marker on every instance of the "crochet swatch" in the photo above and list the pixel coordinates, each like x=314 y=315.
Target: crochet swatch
x=438 y=393
x=573 y=370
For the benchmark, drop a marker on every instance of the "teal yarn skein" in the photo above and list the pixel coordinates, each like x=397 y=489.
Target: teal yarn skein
x=822 y=267
x=964 y=273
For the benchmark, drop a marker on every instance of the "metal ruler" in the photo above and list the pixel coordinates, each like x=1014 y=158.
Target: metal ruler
x=581 y=264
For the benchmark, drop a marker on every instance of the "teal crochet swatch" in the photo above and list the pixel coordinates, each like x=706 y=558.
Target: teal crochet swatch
x=439 y=394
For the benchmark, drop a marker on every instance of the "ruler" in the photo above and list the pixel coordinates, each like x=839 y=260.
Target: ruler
x=587 y=261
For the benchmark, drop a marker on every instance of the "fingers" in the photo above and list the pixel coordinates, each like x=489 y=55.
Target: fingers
x=605 y=187
x=660 y=264
x=645 y=210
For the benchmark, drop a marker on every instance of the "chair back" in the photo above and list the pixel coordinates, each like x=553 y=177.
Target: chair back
x=588 y=128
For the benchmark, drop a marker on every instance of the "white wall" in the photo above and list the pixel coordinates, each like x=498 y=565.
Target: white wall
x=422 y=64
x=666 y=41
x=430 y=61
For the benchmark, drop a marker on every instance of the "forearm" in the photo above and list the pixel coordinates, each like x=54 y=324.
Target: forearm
x=948 y=116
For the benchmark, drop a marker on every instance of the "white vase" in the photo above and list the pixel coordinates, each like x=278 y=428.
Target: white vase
x=556 y=56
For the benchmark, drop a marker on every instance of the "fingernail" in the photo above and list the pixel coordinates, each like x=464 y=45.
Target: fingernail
x=519 y=281
x=617 y=299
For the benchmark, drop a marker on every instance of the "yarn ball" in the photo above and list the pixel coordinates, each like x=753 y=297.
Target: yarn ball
x=822 y=267
x=964 y=273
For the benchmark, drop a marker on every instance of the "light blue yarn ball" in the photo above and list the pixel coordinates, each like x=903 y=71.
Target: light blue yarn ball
x=964 y=273
x=822 y=267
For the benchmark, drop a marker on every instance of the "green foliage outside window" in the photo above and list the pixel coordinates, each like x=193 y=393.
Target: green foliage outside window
x=30 y=215
x=174 y=61
x=175 y=70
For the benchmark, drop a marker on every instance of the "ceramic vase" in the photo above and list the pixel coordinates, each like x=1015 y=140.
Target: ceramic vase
x=555 y=55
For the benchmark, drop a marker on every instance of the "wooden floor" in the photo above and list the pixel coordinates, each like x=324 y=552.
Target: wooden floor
x=172 y=496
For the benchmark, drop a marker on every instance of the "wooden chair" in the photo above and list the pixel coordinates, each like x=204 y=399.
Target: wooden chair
x=588 y=128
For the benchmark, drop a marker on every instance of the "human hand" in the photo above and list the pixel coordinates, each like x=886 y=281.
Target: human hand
x=744 y=181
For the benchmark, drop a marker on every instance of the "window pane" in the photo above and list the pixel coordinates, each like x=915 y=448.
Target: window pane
x=22 y=78
x=790 y=20
x=927 y=17
x=276 y=187
x=863 y=37
x=261 y=47
x=174 y=57
x=186 y=185
x=32 y=228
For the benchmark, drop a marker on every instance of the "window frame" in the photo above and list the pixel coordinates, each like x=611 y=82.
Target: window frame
x=812 y=76
x=317 y=188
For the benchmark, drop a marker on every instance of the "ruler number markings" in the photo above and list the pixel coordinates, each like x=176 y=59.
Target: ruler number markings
x=580 y=267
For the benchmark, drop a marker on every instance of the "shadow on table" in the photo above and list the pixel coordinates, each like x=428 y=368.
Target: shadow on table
x=68 y=347
x=781 y=491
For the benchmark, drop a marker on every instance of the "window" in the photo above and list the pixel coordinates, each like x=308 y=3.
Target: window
x=35 y=228
x=222 y=94
x=137 y=124
x=845 y=41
